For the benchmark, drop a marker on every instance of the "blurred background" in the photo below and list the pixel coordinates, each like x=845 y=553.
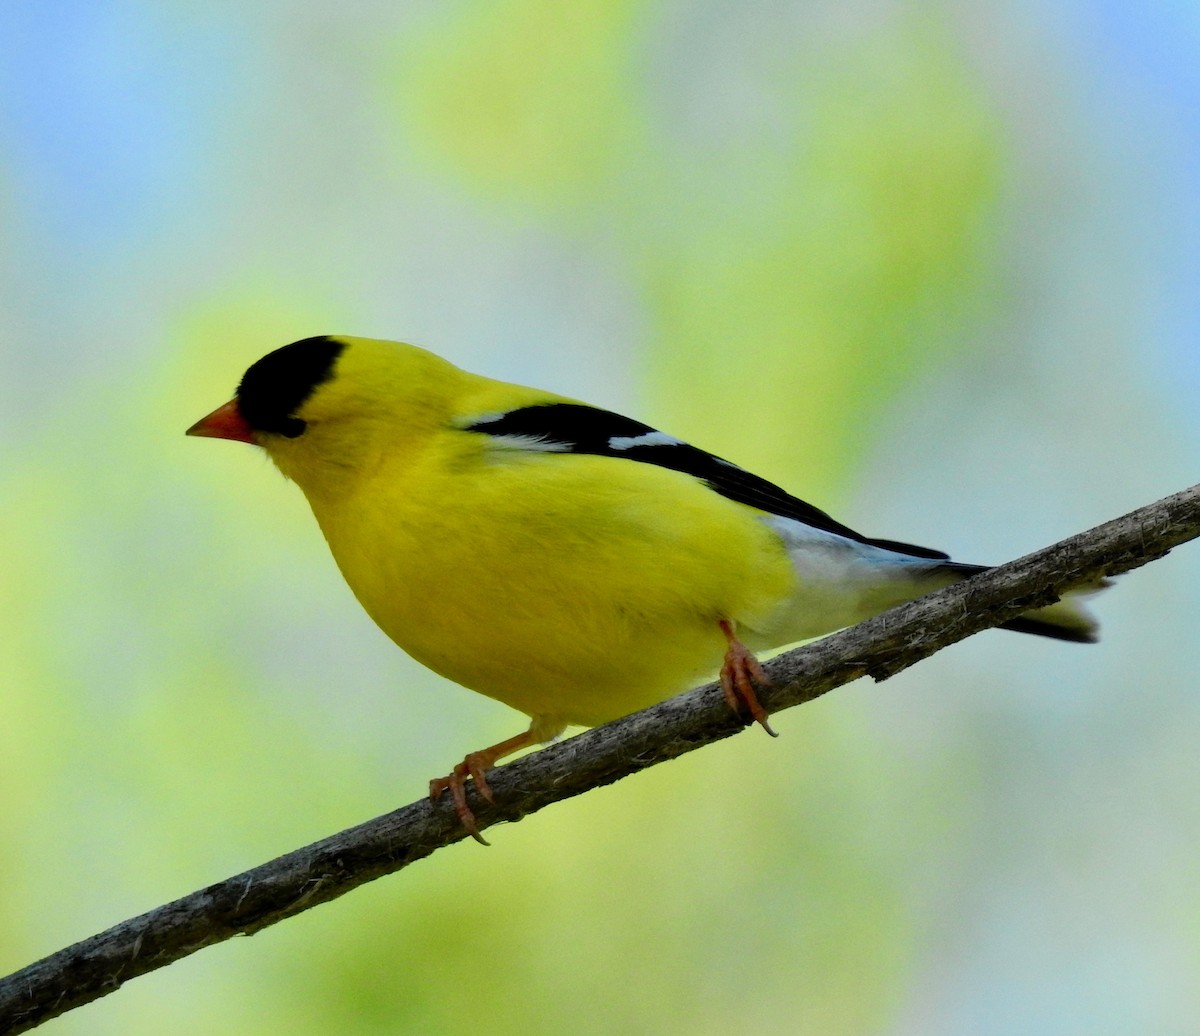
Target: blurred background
x=932 y=267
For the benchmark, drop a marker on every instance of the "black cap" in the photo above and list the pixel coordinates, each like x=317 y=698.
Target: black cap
x=275 y=387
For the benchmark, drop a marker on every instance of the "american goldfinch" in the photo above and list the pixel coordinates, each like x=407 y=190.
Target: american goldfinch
x=572 y=563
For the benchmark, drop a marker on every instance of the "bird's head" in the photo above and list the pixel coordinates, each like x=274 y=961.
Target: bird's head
x=324 y=407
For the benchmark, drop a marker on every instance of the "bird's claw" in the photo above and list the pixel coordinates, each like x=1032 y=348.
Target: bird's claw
x=475 y=766
x=455 y=782
x=741 y=673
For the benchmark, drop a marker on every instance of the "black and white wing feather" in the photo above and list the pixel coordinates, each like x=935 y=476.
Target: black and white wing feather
x=575 y=428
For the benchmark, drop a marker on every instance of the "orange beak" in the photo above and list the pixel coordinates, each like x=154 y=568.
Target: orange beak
x=226 y=422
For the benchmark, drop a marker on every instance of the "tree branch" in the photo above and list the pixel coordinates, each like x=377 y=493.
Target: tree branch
x=318 y=873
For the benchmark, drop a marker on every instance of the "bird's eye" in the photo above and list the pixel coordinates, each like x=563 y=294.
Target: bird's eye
x=292 y=427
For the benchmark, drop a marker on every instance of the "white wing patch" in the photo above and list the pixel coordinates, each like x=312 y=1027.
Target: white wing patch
x=629 y=442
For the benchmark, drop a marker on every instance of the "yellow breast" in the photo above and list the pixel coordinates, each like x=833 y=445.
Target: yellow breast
x=573 y=587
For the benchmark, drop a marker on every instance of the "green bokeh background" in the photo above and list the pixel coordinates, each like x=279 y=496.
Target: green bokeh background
x=931 y=268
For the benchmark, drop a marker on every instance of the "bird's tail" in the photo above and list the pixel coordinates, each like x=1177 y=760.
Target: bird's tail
x=1066 y=619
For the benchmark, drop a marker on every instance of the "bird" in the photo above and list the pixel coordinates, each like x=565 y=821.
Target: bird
x=570 y=562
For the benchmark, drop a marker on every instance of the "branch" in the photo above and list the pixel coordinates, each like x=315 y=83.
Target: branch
x=318 y=873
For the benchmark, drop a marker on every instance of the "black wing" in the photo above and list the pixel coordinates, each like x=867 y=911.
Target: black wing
x=575 y=428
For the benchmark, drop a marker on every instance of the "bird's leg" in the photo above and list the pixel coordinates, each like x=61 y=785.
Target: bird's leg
x=739 y=675
x=475 y=766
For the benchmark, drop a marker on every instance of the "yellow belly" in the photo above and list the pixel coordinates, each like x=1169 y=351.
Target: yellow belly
x=572 y=588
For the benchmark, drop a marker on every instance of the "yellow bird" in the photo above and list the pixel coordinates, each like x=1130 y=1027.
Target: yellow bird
x=572 y=563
